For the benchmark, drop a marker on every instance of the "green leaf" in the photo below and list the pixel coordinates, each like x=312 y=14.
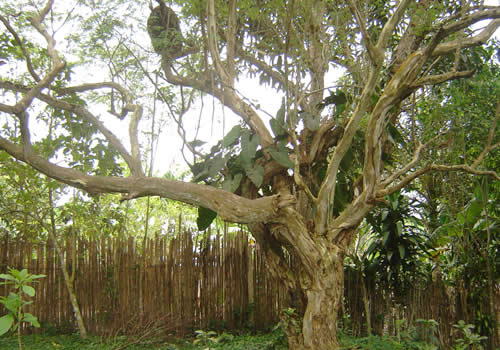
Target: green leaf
x=12 y=302
x=280 y=115
x=402 y=251
x=249 y=144
x=399 y=228
x=278 y=127
x=32 y=277
x=385 y=214
x=205 y=218
x=231 y=184
x=29 y=290
x=256 y=175
x=20 y=275
x=339 y=109
x=232 y=136
x=5 y=323
x=216 y=165
x=196 y=143
x=478 y=193
x=282 y=158
x=7 y=277
x=479 y=225
x=395 y=135
x=385 y=239
x=339 y=98
x=27 y=317
x=473 y=212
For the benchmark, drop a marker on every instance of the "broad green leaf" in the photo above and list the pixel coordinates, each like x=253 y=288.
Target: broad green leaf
x=7 y=277
x=27 y=317
x=232 y=183
x=5 y=323
x=32 y=277
x=249 y=144
x=216 y=165
x=256 y=175
x=232 y=136
x=29 y=290
x=210 y=168
x=20 y=275
x=205 y=218
x=278 y=128
x=12 y=302
x=282 y=158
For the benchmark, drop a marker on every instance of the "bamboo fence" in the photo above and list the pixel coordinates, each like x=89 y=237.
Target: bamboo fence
x=179 y=285
x=219 y=282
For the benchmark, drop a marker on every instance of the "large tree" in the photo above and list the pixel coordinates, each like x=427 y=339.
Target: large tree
x=302 y=185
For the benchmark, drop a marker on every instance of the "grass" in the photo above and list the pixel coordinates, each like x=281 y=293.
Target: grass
x=269 y=341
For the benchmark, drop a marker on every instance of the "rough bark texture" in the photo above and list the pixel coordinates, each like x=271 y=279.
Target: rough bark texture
x=323 y=304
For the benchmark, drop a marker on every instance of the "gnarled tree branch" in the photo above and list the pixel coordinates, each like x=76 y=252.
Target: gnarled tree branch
x=229 y=206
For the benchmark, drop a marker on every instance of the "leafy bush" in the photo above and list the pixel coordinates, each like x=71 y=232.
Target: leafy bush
x=470 y=339
x=15 y=302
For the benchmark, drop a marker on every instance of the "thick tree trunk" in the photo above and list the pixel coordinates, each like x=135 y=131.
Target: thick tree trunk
x=318 y=328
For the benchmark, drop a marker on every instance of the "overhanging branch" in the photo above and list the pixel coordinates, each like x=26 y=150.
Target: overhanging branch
x=229 y=206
